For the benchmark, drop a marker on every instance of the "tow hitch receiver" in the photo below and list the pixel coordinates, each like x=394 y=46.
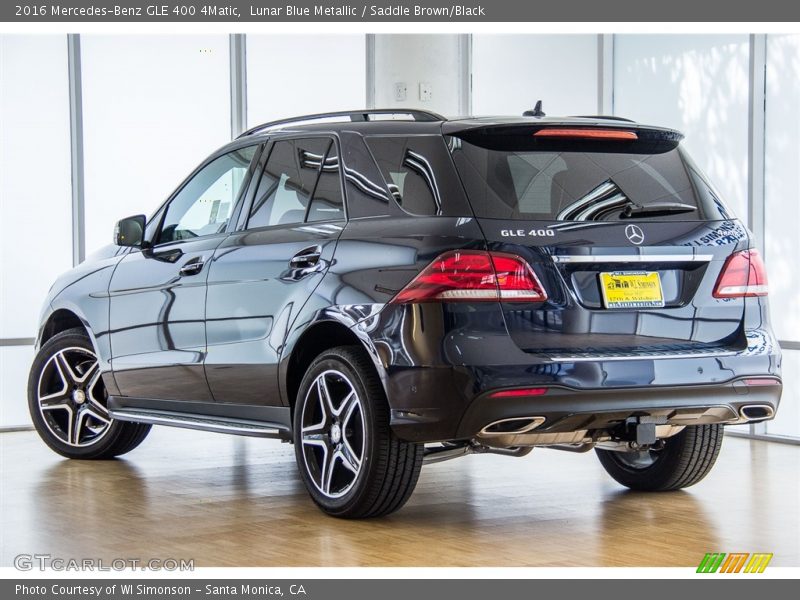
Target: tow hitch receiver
x=645 y=434
x=642 y=430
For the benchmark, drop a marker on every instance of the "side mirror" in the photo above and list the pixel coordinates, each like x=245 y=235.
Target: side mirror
x=130 y=231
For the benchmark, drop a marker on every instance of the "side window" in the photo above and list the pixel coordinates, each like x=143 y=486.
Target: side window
x=412 y=167
x=204 y=204
x=286 y=192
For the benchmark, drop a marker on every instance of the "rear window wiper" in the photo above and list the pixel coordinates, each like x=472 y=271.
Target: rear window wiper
x=656 y=209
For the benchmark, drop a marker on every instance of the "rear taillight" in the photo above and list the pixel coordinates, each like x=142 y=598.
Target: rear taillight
x=596 y=134
x=474 y=276
x=743 y=275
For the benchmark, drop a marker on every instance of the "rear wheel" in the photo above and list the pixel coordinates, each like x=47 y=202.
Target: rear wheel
x=683 y=461
x=68 y=401
x=350 y=461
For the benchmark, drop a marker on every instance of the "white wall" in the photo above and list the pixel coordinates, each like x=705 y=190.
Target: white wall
x=153 y=108
x=35 y=181
x=290 y=75
x=698 y=84
x=782 y=219
x=511 y=72
x=413 y=59
x=782 y=182
x=35 y=198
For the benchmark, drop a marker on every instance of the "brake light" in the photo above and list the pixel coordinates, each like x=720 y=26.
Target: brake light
x=742 y=275
x=474 y=276
x=602 y=134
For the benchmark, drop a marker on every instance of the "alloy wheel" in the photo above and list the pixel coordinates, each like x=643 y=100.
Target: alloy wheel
x=72 y=398
x=333 y=433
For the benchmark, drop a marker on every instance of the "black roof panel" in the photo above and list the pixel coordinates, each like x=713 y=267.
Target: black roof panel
x=425 y=122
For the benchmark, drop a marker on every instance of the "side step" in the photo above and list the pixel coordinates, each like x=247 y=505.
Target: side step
x=204 y=423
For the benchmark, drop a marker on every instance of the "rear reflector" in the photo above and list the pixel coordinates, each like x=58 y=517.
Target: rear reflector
x=761 y=381
x=743 y=275
x=597 y=134
x=474 y=276
x=519 y=393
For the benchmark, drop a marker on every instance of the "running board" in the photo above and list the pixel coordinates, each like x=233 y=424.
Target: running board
x=203 y=423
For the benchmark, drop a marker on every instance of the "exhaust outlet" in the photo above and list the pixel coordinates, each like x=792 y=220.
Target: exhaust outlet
x=756 y=412
x=513 y=426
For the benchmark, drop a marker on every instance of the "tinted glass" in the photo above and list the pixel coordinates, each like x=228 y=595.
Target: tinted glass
x=367 y=195
x=584 y=181
x=204 y=204
x=413 y=168
x=288 y=180
x=327 y=203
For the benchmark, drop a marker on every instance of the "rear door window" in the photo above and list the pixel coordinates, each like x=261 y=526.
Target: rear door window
x=300 y=183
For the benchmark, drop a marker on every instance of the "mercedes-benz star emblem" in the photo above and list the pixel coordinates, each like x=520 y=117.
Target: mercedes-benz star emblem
x=634 y=234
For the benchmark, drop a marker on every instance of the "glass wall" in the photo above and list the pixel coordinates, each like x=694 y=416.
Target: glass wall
x=35 y=198
x=511 y=72
x=698 y=84
x=35 y=180
x=153 y=108
x=782 y=215
x=290 y=75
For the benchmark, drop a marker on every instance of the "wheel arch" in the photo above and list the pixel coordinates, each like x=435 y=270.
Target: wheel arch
x=65 y=317
x=318 y=337
x=60 y=320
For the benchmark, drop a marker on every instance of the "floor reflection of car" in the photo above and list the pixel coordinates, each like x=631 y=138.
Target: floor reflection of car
x=387 y=289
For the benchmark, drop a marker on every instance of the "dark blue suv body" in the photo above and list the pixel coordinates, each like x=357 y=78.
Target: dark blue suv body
x=385 y=291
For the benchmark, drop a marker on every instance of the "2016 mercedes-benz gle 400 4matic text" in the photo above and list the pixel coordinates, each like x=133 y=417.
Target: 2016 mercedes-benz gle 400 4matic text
x=384 y=290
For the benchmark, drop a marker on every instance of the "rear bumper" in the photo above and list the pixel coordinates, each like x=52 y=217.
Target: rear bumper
x=439 y=380
x=566 y=410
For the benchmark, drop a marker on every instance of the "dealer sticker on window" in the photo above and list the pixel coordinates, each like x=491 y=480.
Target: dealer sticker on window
x=628 y=289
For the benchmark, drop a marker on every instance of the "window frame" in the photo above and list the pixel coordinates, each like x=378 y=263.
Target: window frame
x=244 y=215
x=156 y=221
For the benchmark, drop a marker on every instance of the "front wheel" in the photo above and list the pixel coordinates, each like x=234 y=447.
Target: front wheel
x=350 y=461
x=684 y=460
x=68 y=402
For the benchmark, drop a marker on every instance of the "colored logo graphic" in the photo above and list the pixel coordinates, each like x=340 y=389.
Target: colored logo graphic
x=737 y=562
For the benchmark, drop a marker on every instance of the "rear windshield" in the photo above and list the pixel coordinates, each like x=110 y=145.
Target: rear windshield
x=516 y=177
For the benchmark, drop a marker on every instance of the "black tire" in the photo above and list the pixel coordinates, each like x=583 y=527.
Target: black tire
x=56 y=423
x=685 y=459
x=388 y=468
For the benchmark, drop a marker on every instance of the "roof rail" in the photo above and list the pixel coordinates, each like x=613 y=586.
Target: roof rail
x=606 y=117
x=353 y=115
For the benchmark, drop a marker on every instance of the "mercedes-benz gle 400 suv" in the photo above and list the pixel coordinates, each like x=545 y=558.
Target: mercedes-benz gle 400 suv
x=384 y=290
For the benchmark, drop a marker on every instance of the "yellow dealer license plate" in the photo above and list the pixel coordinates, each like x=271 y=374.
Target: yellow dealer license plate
x=628 y=289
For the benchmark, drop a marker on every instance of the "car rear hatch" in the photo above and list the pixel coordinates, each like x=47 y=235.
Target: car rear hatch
x=626 y=237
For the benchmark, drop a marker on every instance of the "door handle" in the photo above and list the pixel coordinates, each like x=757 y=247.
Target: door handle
x=308 y=257
x=192 y=268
